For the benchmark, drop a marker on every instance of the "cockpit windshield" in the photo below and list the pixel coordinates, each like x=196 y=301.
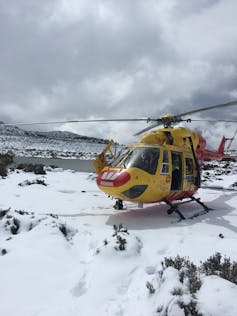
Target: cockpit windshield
x=144 y=158
x=120 y=157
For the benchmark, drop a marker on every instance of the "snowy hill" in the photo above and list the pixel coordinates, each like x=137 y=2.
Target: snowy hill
x=16 y=131
x=64 y=252
x=48 y=144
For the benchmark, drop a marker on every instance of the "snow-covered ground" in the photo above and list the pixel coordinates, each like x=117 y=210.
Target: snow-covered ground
x=61 y=256
x=54 y=144
x=25 y=146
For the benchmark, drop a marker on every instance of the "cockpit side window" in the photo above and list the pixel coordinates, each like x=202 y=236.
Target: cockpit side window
x=189 y=165
x=165 y=163
x=144 y=158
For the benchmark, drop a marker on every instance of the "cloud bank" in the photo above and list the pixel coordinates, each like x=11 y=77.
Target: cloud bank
x=115 y=59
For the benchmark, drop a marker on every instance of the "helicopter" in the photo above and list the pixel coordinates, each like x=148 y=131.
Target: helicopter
x=164 y=166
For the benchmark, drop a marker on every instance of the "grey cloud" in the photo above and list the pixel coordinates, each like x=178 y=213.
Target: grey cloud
x=114 y=59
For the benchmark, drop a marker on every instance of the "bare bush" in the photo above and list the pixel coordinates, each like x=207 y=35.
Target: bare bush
x=3 y=170
x=223 y=267
x=29 y=167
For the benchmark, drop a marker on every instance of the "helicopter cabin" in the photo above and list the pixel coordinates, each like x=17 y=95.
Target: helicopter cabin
x=146 y=173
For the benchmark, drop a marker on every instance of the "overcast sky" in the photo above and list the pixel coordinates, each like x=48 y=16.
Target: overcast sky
x=79 y=59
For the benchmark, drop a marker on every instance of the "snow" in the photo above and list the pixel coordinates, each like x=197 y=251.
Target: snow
x=26 y=146
x=47 y=273
x=220 y=291
x=54 y=144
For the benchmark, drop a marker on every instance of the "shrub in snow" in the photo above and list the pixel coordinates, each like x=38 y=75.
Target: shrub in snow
x=53 y=154
x=119 y=232
x=18 y=221
x=27 y=182
x=187 y=271
x=120 y=229
x=15 y=226
x=39 y=169
x=63 y=230
x=223 y=267
x=29 y=167
x=189 y=309
x=213 y=171
x=150 y=287
x=11 y=224
x=3 y=213
x=3 y=252
x=106 y=242
x=177 y=291
x=185 y=287
x=3 y=170
x=209 y=166
x=23 y=212
x=5 y=160
x=68 y=232
x=179 y=283
x=122 y=242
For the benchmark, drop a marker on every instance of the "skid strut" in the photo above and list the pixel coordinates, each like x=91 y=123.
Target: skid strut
x=206 y=208
x=174 y=208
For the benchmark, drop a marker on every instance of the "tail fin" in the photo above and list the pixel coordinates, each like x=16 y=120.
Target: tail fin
x=221 y=147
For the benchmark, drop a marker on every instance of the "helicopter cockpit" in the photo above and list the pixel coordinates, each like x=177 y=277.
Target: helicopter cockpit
x=144 y=158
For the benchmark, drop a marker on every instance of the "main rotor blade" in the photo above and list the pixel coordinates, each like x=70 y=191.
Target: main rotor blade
x=214 y=121
x=208 y=108
x=178 y=118
x=76 y=121
x=148 y=128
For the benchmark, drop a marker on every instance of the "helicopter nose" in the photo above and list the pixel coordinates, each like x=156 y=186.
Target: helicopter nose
x=113 y=178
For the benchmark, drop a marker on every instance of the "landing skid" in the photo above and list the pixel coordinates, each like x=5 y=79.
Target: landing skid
x=119 y=205
x=174 y=208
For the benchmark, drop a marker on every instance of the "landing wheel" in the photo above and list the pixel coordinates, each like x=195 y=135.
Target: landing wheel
x=118 y=205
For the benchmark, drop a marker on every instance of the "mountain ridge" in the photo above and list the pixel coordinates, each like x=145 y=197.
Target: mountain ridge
x=56 y=135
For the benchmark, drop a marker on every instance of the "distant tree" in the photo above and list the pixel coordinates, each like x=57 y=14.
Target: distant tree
x=3 y=170
x=5 y=161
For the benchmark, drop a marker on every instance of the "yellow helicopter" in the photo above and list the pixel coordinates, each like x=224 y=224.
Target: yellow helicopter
x=164 y=166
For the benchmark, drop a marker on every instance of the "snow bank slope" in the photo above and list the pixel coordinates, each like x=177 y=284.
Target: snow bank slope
x=61 y=251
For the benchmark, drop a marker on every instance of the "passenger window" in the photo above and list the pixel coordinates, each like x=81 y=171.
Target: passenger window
x=165 y=163
x=189 y=165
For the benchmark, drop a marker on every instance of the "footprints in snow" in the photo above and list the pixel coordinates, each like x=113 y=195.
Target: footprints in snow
x=67 y=191
x=81 y=288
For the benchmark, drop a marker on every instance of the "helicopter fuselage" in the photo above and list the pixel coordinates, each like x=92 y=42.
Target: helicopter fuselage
x=163 y=166
x=150 y=173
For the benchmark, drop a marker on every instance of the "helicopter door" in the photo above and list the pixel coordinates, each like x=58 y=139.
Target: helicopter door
x=176 y=182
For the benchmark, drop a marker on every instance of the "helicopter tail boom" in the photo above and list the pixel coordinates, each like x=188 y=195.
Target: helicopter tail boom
x=221 y=147
x=217 y=155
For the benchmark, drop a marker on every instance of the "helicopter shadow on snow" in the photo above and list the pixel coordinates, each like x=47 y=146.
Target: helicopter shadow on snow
x=154 y=216
x=221 y=209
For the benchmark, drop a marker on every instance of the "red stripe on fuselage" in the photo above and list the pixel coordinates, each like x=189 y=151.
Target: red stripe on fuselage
x=180 y=195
